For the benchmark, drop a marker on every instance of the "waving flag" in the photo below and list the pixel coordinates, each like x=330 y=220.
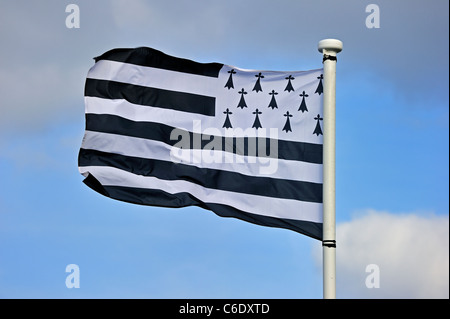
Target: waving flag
x=171 y=132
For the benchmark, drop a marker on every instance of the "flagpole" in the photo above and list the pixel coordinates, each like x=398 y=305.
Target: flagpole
x=329 y=48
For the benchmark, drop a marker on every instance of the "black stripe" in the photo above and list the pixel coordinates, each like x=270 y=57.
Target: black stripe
x=289 y=150
x=205 y=177
x=148 y=96
x=157 y=59
x=155 y=197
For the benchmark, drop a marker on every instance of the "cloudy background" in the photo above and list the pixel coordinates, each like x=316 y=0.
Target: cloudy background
x=392 y=153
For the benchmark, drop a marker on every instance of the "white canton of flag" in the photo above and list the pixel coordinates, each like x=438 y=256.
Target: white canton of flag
x=165 y=131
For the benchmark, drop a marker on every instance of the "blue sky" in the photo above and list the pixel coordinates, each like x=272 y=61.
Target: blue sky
x=392 y=140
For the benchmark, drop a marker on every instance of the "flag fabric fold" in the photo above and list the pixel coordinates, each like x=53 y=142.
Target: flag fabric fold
x=171 y=132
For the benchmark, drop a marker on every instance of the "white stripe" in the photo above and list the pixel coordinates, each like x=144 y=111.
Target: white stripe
x=191 y=122
x=247 y=165
x=260 y=205
x=140 y=113
x=153 y=77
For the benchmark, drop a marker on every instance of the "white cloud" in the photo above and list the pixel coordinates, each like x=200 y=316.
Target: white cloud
x=411 y=251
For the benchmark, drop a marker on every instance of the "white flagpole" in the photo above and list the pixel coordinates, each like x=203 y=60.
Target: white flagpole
x=329 y=48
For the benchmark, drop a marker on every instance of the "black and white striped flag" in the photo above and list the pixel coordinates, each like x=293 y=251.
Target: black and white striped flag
x=166 y=131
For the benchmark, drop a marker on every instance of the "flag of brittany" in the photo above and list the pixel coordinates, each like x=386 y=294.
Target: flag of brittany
x=171 y=132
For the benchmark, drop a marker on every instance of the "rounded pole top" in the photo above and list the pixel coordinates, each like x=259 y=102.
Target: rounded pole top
x=332 y=45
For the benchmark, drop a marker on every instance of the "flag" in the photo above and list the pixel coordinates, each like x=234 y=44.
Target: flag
x=171 y=132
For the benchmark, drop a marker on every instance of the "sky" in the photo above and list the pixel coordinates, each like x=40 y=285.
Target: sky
x=392 y=153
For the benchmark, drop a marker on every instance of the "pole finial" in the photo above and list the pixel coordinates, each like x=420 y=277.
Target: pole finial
x=330 y=45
